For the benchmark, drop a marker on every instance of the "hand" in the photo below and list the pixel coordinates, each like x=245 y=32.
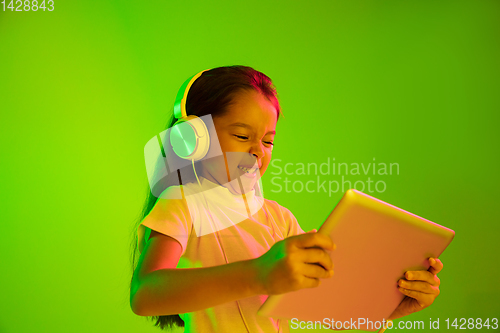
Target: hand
x=421 y=289
x=294 y=263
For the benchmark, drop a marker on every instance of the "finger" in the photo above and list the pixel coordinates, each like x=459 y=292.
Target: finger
x=436 y=265
x=314 y=239
x=420 y=286
x=316 y=271
x=314 y=230
x=316 y=255
x=423 y=299
x=425 y=276
x=308 y=282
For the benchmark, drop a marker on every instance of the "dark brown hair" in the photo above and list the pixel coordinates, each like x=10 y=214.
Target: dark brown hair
x=212 y=93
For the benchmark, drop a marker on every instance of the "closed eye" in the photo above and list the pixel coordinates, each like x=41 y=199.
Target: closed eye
x=246 y=138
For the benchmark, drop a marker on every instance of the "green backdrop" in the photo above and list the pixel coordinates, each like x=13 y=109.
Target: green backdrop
x=84 y=87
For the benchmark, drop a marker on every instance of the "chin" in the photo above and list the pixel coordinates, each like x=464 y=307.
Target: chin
x=247 y=184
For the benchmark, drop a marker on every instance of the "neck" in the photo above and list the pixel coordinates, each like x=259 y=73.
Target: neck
x=230 y=185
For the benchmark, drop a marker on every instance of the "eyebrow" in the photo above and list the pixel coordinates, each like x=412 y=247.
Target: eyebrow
x=248 y=126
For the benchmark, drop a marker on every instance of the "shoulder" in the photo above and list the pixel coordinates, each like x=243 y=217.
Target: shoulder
x=286 y=218
x=172 y=203
x=177 y=191
x=279 y=209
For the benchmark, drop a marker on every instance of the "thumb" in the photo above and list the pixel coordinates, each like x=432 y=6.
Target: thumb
x=314 y=230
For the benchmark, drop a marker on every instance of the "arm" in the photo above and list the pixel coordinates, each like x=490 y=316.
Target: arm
x=158 y=288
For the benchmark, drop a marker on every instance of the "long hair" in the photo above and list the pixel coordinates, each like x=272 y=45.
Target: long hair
x=212 y=93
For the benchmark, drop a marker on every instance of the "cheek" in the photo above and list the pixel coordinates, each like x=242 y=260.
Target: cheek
x=227 y=144
x=216 y=167
x=265 y=163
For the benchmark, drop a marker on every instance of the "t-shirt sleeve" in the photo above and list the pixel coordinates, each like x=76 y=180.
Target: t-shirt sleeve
x=291 y=223
x=170 y=217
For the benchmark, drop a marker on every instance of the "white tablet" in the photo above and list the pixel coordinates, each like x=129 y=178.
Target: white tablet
x=376 y=244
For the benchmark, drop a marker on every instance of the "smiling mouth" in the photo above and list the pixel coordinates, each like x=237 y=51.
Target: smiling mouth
x=247 y=170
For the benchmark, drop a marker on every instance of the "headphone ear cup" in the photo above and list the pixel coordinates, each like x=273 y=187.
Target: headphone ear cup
x=189 y=138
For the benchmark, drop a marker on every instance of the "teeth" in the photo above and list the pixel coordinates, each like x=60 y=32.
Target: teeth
x=247 y=170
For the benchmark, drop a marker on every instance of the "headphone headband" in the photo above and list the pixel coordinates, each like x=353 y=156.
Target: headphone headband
x=180 y=99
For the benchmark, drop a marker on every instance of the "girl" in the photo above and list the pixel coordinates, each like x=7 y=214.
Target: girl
x=216 y=280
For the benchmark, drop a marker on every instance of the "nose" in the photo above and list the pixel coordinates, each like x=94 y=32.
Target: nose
x=257 y=151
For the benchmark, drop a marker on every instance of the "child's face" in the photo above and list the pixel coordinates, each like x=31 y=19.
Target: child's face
x=248 y=128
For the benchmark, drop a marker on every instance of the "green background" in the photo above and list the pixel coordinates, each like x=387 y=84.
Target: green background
x=83 y=88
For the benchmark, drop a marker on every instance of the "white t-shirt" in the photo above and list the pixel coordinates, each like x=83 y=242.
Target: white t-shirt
x=247 y=239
